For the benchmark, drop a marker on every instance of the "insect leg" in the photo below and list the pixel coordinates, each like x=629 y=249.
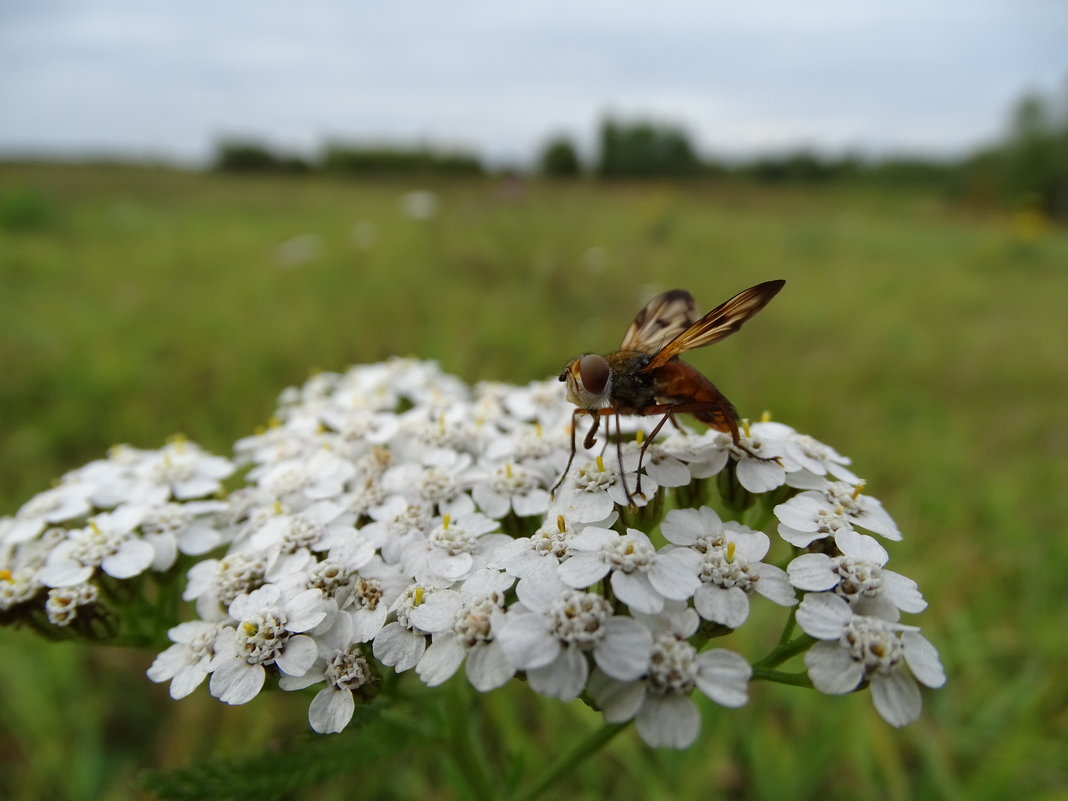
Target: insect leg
x=571 y=458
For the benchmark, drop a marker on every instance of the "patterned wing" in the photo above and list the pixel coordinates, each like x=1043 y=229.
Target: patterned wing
x=719 y=323
x=663 y=318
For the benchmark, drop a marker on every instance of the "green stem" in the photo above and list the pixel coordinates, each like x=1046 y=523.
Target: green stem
x=781 y=677
x=563 y=766
x=469 y=759
x=783 y=651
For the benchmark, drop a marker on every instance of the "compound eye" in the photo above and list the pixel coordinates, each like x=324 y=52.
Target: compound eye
x=593 y=370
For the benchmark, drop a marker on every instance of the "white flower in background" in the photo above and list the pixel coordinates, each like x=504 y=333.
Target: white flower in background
x=371 y=593
x=192 y=657
x=186 y=470
x=441 y=481
x=68 y=501
x=858 y=576
x=420 y=204
x=667 y=716
x=857 y=648
x=268 y=632
x=511 y=487
x=190 y=528
x=551 y=643
x=109 y=543
x=815 y=514
x=288 y=540
x=300 y=482
x=641 y=577
x=396 y=524
x=730 y=568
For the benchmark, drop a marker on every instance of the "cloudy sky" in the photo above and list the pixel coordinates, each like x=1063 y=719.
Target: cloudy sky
x=147 y=77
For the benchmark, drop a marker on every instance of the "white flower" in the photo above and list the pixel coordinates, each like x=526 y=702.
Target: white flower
x=453 y=549
x=551 y=643
x=268 y=632
x=215 y=583
x=466 y=627
x=859 y=648
x=186 y=470
x=401 y=644
x=302 y=481
x=858 y=576
x=815 y=514
x=597 y=488
x=511 y=487
x=804 y=453
x=108 y=542
x=731 y=568
x=192 y=657
x=666 y=715
x=346 y=671
x=68 y=501
x=641 y=577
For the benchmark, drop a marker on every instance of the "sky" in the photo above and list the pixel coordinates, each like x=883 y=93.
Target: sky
x=169 y=79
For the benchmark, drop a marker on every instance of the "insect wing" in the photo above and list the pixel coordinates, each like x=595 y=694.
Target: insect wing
x=719 y=323
x=662 y=319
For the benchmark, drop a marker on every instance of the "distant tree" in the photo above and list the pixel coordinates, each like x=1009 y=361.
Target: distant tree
x=245 y=155
x=559 y=158
x=1029 y=167
x=359 y=159
x=645 y=149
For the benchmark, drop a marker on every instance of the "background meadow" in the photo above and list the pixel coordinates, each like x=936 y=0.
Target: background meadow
x=922 y=339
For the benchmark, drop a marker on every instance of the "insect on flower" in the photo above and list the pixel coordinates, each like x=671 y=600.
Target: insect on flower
x=646 y=377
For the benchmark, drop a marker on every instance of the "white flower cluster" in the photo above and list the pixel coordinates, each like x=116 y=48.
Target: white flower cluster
x=394 y=518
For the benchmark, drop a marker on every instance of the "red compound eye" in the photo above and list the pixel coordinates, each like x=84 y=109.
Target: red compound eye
x=593 y=370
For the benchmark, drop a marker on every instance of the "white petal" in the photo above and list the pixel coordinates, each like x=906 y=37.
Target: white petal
x=535 y=502
x=684 y=526
x=331 y=710
x=813 y=572
x=723 y=676
x=903 y=591
x=896 y=697
x=635 y=591
x=775 y=585
x=397 y=647
x=582 y=569
x=64 y=573
x=526 y=640
x=758 y=475
x=305 y=610
x=438 y=612
x=440 y=660
x=728 y=606
x=669 y=721
x=298 y=656
x=673 y=575
x=798 y=537
x=564 y=678
x=237 y=682
x=832 y=669
x=186 y=680
x=823 y=615
x=133 y=557
x=624 y=652
x=488 y=667
x=801 y=512
x=860 y=546
x=922 y=658
x=619 y=701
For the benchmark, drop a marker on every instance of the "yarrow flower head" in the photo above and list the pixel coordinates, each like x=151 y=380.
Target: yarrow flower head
x=391 y=520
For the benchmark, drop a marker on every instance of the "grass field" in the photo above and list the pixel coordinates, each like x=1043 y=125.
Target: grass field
x=926 y=342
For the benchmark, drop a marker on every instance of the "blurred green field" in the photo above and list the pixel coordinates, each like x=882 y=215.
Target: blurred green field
x=927 y=343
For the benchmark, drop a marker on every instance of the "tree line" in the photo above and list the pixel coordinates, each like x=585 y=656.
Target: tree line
x=1026 y=168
